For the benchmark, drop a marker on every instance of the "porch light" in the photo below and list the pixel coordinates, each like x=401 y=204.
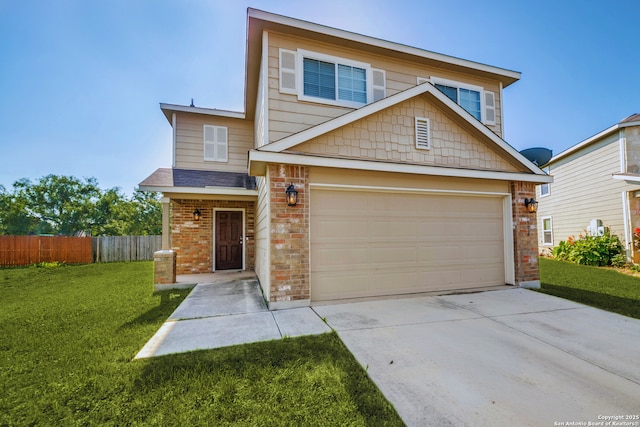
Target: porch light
x=196 y=215
x=531 y=205
x=292 y=195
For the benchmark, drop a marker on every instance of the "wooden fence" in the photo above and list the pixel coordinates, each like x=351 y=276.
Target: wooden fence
x=26 y=250
x=125 y=248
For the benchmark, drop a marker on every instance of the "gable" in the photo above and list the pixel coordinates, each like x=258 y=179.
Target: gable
x=389 y=136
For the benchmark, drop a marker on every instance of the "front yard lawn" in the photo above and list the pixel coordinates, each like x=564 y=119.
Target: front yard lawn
x=68 y=335
x=599 y=287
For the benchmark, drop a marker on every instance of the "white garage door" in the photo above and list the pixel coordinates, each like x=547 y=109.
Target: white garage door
x=372 y=243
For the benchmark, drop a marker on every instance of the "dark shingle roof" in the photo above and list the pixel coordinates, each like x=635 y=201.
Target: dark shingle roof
x=165 y=177
x=632 y=118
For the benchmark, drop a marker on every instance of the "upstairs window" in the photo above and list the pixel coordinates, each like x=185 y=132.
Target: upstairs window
x=474 y=99
x=544 y=188
x=215 y=143
x=327 y=79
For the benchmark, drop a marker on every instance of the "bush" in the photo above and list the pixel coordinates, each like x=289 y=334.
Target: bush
x=591 y=250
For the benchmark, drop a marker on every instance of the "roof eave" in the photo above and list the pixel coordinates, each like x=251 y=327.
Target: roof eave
x=259 y=159
x=258 y=21
x=225 y=191
x=169 y=109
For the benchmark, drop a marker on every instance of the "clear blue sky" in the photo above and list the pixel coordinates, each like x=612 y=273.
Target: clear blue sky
x=80 y=81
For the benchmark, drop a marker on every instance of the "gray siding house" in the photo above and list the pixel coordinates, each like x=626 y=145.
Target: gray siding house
x=596 y=186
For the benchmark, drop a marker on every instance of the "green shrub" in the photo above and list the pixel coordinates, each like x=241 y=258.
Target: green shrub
x=619 y=260
x=591 y=250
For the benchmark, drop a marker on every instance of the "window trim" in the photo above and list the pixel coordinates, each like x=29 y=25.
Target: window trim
x=550 y=231
x=459 y=85
x=302 y=54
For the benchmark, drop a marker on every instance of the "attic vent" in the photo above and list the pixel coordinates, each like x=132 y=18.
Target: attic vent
x=423 y=134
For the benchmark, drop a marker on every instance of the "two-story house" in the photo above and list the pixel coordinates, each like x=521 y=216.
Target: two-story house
x=596 y=186
x=359 y=168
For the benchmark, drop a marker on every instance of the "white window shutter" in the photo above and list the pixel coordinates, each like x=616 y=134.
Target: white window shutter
x=215 y=143
x=221 y=144
x=489 y=108
x=288 y=71
x=379 y=84
x=423 y=133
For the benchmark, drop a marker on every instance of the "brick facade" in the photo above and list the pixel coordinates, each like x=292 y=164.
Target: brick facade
x=525 y=235
x=193 y=240
x=289 y=240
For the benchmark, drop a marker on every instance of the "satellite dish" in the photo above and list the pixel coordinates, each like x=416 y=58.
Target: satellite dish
x=539 y=156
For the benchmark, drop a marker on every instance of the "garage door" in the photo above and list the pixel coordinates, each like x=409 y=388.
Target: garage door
x=377 y=243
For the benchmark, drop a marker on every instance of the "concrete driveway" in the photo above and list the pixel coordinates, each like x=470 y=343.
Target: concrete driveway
x=501 y=358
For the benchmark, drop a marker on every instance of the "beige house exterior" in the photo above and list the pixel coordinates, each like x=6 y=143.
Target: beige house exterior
x=404 y=182
x=596 y=187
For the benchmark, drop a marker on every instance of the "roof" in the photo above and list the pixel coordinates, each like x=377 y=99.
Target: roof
x=173 y=180
x=259 y=21
x=169 y=109
x=632 y=120
x=424 y=88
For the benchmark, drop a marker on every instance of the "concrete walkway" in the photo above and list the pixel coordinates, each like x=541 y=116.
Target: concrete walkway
x=224 y=310
x=498 y=358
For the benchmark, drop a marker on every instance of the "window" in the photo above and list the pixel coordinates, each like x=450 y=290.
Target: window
x=544 y=188
x=547 y=231
x=474 y=99
x=334 y=79
x=215 y=143
x=326 y=79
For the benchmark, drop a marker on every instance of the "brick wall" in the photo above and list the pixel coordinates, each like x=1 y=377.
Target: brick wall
x=525 y=234
x=289 y=238
x=193 y=240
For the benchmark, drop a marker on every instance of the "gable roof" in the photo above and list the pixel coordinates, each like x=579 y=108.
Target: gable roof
x=632 y=120
x=367 y=110
x=259 y=21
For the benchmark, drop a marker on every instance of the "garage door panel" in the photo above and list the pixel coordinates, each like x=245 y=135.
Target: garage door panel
x=386 y=243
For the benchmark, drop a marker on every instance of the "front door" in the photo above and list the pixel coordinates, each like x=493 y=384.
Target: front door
x=228 y=240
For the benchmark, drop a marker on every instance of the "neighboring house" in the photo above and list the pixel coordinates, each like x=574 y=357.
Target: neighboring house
x=596 y=186
x=404 y=183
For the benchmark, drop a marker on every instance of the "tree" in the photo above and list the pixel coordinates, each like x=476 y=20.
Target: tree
x=64 y=202
x=69 y=206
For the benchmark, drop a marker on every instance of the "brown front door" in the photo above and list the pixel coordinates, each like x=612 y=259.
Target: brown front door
x=228 y=240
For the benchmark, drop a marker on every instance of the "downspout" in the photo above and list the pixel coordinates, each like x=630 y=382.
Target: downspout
x=626 y=199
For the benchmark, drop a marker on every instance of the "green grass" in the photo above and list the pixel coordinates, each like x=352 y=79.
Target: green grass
x=599 y=287
x=68 y=335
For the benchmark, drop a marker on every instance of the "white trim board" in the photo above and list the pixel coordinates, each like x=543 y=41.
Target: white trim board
x=259 y=159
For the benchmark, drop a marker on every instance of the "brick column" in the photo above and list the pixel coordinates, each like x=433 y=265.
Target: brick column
x=525 y=236
x=164 y=267
x=289 y=240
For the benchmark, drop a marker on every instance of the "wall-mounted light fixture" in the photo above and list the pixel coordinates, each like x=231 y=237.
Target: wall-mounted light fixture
x=531 y=205
x=292 y=195
x=196 y=215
